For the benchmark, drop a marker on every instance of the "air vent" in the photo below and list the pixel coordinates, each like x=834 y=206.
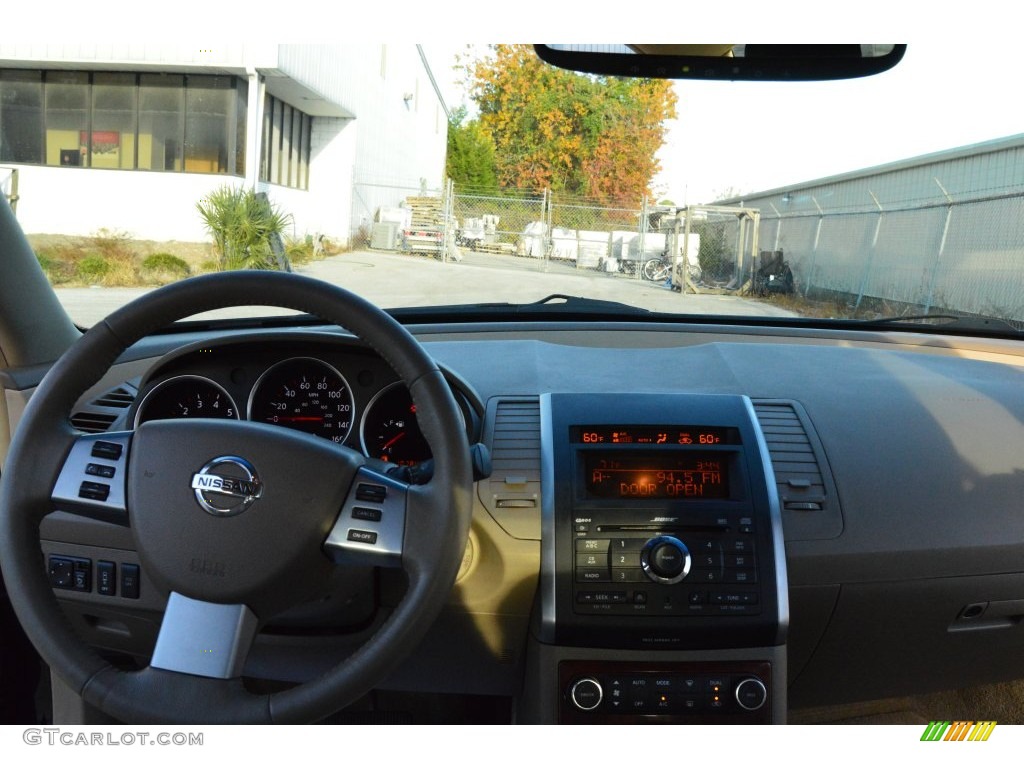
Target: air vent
x=92 y=423
x=806 y=490
x=103 y=411
x=512 y=494
x=119 y=397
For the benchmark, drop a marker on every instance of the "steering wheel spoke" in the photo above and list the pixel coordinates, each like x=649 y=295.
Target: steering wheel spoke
x=371 y=527
x=93 y=480
x=204 y=639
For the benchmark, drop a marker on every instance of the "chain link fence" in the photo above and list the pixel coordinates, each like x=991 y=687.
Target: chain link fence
x=961 y=255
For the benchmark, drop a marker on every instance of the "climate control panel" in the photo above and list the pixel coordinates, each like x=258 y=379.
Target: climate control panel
x=733 y=693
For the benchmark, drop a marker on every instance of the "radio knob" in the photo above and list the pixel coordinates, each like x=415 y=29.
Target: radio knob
x=751 y=694
x=586 y=694
x=666 y=560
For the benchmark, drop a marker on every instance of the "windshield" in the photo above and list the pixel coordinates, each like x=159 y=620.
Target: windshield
x=442 y=175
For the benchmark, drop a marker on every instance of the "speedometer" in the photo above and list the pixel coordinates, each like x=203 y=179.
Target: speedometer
x=306 y=394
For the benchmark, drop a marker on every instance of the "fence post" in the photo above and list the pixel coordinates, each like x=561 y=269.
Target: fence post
x=642 y=239
x=549 y=240
x=871 y=254
x=942 y=247
x=814 y=249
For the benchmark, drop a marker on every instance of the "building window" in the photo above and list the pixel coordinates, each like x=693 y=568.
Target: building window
x=21 y=116
x=119 y=120
x=114 y=114
x=284 y=152
x=66 y=95
x=161 y=122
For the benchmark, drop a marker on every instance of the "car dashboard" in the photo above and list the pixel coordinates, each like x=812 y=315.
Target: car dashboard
x=683 y=522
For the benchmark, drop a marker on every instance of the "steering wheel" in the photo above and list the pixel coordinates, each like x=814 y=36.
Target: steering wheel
x=235 y=521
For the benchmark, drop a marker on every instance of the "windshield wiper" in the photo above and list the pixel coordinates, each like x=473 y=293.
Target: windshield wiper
x=952 y=322
x=557 y=305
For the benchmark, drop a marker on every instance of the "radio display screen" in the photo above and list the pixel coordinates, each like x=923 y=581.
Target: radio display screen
x=656 y=474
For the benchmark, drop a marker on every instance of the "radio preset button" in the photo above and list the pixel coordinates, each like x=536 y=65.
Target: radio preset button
x=592 y=545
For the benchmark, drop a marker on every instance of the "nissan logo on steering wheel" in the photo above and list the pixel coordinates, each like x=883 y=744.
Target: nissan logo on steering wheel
x=226 y=486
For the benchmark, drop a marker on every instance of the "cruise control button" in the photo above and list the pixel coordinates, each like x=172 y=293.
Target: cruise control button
x=363 y=537
x=94 y=491
x=371 y=492
x=102 y=449
x=100 y=470
x=365 y=513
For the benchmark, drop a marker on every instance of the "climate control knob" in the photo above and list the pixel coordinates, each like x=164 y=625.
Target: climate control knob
x=751 y=694
x=666 y=560
x=586 y=694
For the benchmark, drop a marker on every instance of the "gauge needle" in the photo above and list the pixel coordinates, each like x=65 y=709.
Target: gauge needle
x=300 y=418
x=392 y=441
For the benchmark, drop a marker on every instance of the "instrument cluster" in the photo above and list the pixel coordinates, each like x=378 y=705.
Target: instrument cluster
x=337 y=390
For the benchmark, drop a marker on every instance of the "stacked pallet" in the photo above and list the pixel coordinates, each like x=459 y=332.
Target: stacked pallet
x=427 y=212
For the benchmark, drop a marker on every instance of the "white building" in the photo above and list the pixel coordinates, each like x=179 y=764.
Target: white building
x=130 y=137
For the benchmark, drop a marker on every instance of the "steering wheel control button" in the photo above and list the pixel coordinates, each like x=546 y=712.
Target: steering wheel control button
x=365 y=513
x=78 y=488
x=106 y=577
x=365 y=537
x=375 y=494
x=370 y=535
x=104 y=449
x=666 y=560
x=94 y=491
x=586 y=694
x=751 y=694
x=130 y=581
x=227 y=486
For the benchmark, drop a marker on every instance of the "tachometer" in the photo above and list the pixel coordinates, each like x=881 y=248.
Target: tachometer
x=390 y=431
x=186 y=397
x=306 y=394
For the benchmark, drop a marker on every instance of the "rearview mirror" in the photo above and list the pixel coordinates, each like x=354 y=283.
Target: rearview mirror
x=725 y=62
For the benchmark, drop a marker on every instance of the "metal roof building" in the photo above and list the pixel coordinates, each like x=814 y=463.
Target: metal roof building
x=944 y=230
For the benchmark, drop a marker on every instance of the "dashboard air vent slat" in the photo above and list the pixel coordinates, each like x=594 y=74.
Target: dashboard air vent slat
x=512 y=494
x=806 y=491
x=102 y=411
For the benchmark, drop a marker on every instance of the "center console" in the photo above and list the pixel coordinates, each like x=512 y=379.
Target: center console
x=663 y=583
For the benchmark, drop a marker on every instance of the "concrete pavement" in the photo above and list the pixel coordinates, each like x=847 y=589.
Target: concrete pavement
x=396 y=280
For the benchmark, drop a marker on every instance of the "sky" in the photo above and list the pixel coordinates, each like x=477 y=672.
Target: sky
x=749 y=137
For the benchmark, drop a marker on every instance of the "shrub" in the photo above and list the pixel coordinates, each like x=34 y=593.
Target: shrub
x=164 y=268
x=242 y=224
x=92 y=268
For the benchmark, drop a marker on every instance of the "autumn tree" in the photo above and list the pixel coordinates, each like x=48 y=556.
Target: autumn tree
x=585 y=135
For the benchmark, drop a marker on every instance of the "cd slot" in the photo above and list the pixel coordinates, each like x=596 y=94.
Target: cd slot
x=663 y=528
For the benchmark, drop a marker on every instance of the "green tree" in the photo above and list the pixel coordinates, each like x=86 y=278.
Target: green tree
x=471 y=160
x=592 y=136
